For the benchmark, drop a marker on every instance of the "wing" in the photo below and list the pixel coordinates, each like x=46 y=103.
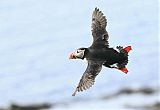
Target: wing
x=88 y=78
x=99 y=33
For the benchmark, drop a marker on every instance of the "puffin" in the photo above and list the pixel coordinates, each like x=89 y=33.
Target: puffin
x=99 y=53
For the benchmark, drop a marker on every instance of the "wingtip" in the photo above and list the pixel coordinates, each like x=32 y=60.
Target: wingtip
x=74 y=93
x=96 y=9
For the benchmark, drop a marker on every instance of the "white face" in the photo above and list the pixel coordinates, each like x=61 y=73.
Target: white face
x=79 y=53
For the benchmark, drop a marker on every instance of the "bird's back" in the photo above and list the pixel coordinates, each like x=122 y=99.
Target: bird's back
x=106 y=54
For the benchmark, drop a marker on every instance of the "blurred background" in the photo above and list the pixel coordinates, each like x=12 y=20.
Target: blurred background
x=36 y=37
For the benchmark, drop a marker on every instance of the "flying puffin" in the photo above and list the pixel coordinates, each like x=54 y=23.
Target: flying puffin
x=99 y=53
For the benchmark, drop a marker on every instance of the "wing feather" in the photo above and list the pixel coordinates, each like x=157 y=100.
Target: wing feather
x=100 y=35
x=88 y=78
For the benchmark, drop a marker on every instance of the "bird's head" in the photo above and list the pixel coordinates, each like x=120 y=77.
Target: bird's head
x=78 y=54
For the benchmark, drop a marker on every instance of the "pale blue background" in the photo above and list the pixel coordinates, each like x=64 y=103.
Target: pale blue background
x=36 y=37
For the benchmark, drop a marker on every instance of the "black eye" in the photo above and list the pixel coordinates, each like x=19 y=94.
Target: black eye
x=77 y=51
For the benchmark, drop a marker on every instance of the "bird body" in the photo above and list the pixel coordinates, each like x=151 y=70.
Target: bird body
x=99 y=53
x=105 y=54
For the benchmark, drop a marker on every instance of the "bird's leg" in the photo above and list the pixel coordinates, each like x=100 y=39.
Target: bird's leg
x=124 y=70
x=127 y=49
x=117 y=66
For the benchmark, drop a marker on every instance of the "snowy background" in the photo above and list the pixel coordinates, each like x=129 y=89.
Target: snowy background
x=36 y=37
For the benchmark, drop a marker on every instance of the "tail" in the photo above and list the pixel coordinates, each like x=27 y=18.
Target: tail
x=125 y=51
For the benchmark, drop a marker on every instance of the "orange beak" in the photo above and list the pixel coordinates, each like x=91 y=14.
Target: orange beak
x=72 y=56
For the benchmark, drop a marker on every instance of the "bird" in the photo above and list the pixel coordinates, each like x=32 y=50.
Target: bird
x=99 y=53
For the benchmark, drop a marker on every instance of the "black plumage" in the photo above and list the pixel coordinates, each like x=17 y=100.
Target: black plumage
x=99 y=54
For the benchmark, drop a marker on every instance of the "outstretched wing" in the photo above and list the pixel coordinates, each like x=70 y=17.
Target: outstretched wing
x=99 y=33
x=88 y=78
